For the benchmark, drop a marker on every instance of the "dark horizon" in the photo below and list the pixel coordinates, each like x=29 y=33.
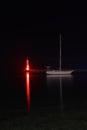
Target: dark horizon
x=38 y=38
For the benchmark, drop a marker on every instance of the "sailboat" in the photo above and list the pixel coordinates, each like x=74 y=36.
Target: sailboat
x=60 y=71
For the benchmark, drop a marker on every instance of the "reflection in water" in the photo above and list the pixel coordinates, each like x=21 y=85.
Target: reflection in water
x=61 y=96
x=28 y=89
x=59 y=81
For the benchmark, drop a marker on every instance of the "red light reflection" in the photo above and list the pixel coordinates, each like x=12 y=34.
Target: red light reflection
x=28 y=89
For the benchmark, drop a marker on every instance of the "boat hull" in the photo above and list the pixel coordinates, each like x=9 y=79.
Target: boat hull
x=57 y=72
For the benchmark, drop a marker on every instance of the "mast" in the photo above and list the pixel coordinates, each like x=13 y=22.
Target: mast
x=60 y=54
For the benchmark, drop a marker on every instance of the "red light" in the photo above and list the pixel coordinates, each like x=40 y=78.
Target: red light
x=28 y=89
x=27 y=65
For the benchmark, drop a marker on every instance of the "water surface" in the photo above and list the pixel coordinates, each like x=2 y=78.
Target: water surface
x=43 y=98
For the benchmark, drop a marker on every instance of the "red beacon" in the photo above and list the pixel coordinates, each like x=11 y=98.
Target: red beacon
x=27 y=64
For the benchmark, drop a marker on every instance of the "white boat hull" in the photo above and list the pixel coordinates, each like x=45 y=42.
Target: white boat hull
x=60 y=71
x=57 y=72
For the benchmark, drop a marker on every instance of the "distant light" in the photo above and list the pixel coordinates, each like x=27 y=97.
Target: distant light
x=27 y=65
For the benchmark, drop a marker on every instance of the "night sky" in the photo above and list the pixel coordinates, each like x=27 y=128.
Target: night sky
x=36 y=34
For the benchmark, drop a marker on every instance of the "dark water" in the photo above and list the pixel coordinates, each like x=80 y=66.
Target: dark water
x=27 y=93
x=44 y=90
